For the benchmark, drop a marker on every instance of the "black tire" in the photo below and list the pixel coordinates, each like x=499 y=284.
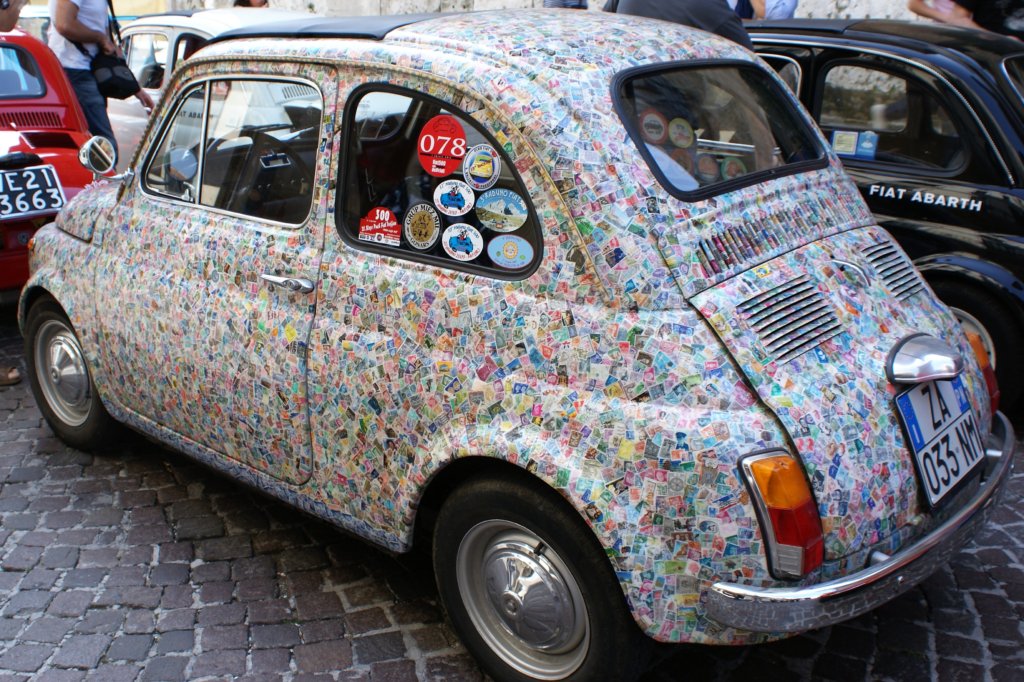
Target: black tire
x=1000 y=327
x=60 y=378
x=582 y=629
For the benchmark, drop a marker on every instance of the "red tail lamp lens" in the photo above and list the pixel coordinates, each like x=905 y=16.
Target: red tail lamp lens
x=794 y=533
x=978 y=346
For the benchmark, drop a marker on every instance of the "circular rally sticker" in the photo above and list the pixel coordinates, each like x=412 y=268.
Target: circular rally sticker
x=707 y=168
x=454 y=198
x=653 y=126
x=462 y=242
x=422 y=226
x=508 y=251
x=481 y=167
x=683 y=158
x=680 y=132
x=733 y=167
x=501 y=210
x=442 y=145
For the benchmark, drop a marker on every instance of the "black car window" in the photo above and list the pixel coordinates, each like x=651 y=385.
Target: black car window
x=424 y=182
x=712 y=127
x=241 y=145
x=870 y=114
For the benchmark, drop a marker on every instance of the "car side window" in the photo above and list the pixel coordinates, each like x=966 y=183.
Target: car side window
x=242 y=145
x=424 y=182
x=870 y=114
x=174 y=166
x=146 y=54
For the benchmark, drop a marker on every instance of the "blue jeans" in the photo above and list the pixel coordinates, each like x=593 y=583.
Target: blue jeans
x=93 y=103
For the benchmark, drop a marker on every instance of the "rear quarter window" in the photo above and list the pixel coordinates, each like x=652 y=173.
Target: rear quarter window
x=706 y=128
x=425 y=182
x=19 y=74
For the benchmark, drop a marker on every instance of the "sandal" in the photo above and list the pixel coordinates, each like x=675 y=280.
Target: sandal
x=9 y=375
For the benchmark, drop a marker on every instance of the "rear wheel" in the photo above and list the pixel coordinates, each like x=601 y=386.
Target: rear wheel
x=60 y=378
x=528 y=588
x=999 y=327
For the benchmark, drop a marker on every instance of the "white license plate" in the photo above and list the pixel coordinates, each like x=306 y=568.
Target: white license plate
x=943 y=434
x=29 y=191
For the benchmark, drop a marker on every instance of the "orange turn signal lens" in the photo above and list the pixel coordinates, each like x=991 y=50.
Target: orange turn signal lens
x=781 y=482
x=978 y=346
x=789 y=516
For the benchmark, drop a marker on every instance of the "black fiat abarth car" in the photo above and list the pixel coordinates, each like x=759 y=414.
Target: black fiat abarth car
x=929 y=122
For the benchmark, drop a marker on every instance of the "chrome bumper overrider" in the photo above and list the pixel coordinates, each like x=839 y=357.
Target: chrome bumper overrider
x=797 y=609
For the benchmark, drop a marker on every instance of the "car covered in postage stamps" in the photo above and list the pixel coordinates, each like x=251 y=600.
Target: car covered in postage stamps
x=583 y=303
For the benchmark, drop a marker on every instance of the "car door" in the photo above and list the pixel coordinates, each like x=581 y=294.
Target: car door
x=921 y=158
x=214 y=267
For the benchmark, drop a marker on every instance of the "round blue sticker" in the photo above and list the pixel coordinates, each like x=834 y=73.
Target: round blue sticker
x=501 y=210
x=507 y=251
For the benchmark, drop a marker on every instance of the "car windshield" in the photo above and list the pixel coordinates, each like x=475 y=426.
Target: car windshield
x=19 y=74
x=705 y=129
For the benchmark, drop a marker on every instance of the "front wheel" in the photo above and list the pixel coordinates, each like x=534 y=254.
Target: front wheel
x=60 y=378
x=528 y=588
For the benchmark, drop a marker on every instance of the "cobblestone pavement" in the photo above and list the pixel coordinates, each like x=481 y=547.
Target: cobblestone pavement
x=137 y=564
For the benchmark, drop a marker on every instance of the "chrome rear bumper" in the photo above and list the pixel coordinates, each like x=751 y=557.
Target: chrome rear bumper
x=797 y=609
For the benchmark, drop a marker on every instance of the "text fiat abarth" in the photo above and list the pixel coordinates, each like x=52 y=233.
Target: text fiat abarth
x=584 y=301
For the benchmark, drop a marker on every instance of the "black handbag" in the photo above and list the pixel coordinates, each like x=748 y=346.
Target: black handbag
x=113 y=77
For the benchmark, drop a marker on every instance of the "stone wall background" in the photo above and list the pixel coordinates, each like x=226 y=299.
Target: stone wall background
x=878 y=9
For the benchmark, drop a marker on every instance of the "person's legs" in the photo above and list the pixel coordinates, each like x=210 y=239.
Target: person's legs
x=93 y=103
x=9 y=375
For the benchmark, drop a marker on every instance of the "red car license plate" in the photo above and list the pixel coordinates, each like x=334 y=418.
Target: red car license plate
x=29 y=191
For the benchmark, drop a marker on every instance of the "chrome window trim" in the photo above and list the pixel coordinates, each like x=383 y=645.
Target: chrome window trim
x=794 y=62
x=908 y=62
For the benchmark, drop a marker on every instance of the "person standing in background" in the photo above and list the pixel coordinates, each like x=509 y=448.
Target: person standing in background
x=936 y=10
x=764 y=9
x=86 y=22
x=998 y=16
x=713 y=16
x=10 y=10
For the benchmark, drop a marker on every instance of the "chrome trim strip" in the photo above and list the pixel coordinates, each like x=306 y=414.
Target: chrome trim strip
x=766 y=41
x=797 y=609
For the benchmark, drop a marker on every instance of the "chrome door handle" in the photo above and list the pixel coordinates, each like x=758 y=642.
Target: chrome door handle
x=303 y=286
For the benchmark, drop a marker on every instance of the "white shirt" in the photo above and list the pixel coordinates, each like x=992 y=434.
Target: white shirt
x=775 y=9
x=91 y=14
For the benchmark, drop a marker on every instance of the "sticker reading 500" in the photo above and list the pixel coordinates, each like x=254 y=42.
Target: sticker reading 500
x=441 y=145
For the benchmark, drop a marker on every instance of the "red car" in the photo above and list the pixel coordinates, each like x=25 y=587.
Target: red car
x=41 y=129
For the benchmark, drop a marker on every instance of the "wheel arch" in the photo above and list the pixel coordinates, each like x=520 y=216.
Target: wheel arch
x=1002 y=283
x=445 y=481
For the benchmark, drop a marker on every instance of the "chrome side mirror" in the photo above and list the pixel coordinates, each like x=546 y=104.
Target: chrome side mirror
x=98 y=155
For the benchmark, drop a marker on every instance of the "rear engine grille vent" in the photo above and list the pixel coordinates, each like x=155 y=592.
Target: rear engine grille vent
x=895 y=269
x=791 y=319
x=29 y=119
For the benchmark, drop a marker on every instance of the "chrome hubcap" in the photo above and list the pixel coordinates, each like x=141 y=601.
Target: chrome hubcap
x=62 y=373
x=523 y=600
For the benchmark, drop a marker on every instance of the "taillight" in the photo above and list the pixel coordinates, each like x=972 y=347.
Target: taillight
x=789 y=516
x=978 y=346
